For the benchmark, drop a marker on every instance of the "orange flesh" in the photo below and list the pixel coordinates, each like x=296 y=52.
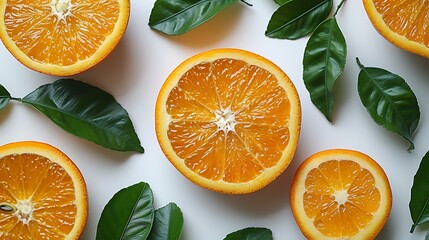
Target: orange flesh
x=341 y=198
x=229 y=120
x=408 y=18
x=35 y=181
x=53 y=32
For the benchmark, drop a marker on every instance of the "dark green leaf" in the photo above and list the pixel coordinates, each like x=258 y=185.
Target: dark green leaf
x=251 y=234
x=180 y=16
x=324 y=61
x=128 y=215
x=419 y=203
x=297 y=18
x=4 y=97
x=87 y=112
x=168 y=223
x=390 y=101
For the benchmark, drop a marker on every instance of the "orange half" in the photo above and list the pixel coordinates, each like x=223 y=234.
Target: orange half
x=340 y=194
x=405 y=23
x=42 y=193
x=228 y=120
x=62 y=37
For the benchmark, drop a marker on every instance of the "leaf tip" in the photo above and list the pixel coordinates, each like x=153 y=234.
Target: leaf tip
x=411 y=147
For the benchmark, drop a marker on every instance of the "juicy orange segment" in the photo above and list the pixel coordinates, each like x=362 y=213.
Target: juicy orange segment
x=340 y=194
x=42 y=193
x=62 y=37
x=228 y=120
x=402 y=22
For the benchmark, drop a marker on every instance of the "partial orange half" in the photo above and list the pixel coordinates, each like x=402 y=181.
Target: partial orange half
x=228 y=120
x=62 y=37
x=340 y=194
x=42 y=193
x=405 y=23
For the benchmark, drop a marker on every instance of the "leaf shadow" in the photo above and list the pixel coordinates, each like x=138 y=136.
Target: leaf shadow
x=212 y=31
x=342 y=90
x=6 y=112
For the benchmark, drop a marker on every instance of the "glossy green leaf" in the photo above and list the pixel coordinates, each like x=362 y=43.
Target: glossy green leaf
x=87 y=112
x=251 y=234
x=324 y=61
x=4 y=97
x=389 y=100
x=419 y=203
x=168 y=223
x=181 y=16
x=128 y=215
x=297 y=18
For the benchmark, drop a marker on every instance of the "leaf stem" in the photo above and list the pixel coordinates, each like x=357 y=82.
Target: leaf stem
x=413 y=227
x=338 y=7
x=16 y=99
x=359 y=64
x=248 y=4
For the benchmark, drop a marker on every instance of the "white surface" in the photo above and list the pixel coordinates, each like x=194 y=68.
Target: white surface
x=137 y=68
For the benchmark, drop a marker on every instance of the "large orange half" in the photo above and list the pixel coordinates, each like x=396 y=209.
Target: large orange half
x=228 y=120
x=42 y=193
x=340 y=194
x=62 y=37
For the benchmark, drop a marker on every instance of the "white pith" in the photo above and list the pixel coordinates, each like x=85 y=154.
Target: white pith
x=341 y=196
x=24 y=211
x=225 y=120
x=61 y=8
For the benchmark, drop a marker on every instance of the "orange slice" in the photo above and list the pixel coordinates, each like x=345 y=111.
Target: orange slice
x=228 y=120
x=404 y=23
x=340 y=194
x=42 y=193
x=62 y=37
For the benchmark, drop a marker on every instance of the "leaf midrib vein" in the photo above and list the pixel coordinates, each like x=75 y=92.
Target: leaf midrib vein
x=180 y=12
x=390 y=102
x=297 y=17
x=89 y=122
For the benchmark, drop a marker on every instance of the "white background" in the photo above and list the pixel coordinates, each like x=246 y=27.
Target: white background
x=137 y=68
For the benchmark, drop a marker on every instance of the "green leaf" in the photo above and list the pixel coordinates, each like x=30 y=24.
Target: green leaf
x=168 y=223
x=297 y=18
x=389 y=100
x=251 y=234
x=181 y=16
x=4 y=97
x=419 y=203
x=324 y=61
x=427 y=235
x=128 y=215
x=87 y=112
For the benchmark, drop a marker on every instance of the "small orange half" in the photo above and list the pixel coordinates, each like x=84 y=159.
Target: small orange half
x=229 y=120
x=405 y=23
x=62 y=37
x=42 y=193
x=340 y=194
